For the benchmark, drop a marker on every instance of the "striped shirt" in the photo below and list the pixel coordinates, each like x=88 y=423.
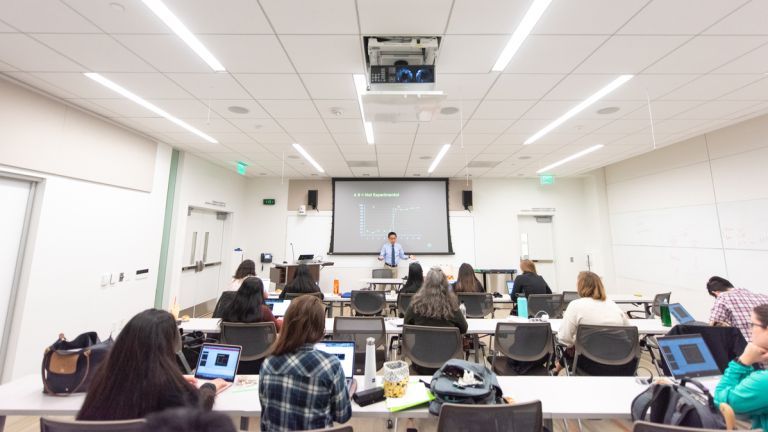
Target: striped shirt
x=734 y=307
x=302 y=390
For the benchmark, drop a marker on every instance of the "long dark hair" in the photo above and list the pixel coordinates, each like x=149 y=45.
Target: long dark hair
x=245 y=269
x=415 y=277
x=246 y=306
x=433 y=299
x=302 y=282
x=467 y=282
x=140 y=374
x=303 y=323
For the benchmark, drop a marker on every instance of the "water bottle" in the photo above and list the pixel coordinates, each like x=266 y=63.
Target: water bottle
x=522 y=307
x=370 y=364
x=336 y=286
x=666 y=320
x=463 y=309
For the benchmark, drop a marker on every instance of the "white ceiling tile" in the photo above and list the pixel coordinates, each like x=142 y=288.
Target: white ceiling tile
x=626 y=126
x=339 y=109
x=549 y=109
x=652 y=86
x=353 y=140
x=39 y=84
x=465 y=107
x=205 y=16
x=401 y=151
x=315 y=139
x=45 y=16
x=523 y=86
x=234 y=138
x=486 y=126
x=755 y=91
x=4 y=67
x=166 y=53
x=27 y=54
x=439 y=127
x=361 y=152
x=248 y=53
x=210 y=85
x=474 y=139
x=717 y=110
x=188 y=108
x=503 y=149
x=511 y=139
x=395 y=128
x=498 y=109
x=330 y=86
x=253 y=126
x=486 y=17
x=291 y=109
x=149 y=85
x=93 y=107
x=386 y=139
x=212 y=126
x=677 y=125
x=711 y=87
x=553 y=53
x=587 y=16
x=273 y=86
x=579 y=87
x=403 y=17
x=752 y=62
x=426 y=139
x=133 y=17
x=97 y=52
x=662 y=109
x=311 y=16
x=749 y=19
x=705 y=53
x=679 y=17
x=630 y=54
x=303 y=125
x=4 y=28
x=464 y=86
x=221 y=107
x=527 y=126
x=270 y=139
x=345 y=126
x=469 y=54
x=324 y=53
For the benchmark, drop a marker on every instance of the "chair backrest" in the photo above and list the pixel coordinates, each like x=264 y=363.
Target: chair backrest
x=338 y=428
x=59 y=425
x=255 y=338
x=568 y=297
x=291 y=296
x=381 y=273
x=403 y=301
x=359 y=329
x=430 y=347
x=658 y=299
x=490 y=418
x=524 y=342
x=642 y=426
x=225 y=299
x=552 y=304
x=366 y=302
x=478 y=304
x=616 y=349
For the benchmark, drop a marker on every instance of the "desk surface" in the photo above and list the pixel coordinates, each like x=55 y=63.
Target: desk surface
x=609 y=397
x=383 y=281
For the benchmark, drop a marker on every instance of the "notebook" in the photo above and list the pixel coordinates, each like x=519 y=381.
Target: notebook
x=688 y=356
x=345 y=352
x=218 y=361
x=278 y=306
x=681 y=314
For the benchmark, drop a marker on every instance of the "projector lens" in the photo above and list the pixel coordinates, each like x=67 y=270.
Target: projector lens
x=404 y=75
x=424 y=76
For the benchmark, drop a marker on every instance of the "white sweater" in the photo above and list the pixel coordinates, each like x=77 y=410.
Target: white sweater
x=587 y=310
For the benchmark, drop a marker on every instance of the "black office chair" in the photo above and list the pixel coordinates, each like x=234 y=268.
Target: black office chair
x=552 y=304
x=403 y=301
x=605 y=351
x=642 y=426
x=59 y=425
x=523 y=417
x=293 y=296
x=429 y=347
x=523 y=349
x=568 y=297
x=655 y=309
x=225 y=299
x=359 y=329
x=338 y=428
x=479 y=305
x=255 y=338
x=368 y=303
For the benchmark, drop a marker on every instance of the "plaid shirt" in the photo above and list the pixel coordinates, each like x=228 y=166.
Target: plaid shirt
x=734 y=307
x=302 y=390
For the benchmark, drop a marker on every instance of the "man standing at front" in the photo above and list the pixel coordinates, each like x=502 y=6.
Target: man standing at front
x=391 y=253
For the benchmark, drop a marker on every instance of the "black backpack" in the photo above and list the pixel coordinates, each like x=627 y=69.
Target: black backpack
x=678 y=405
x=445 y=389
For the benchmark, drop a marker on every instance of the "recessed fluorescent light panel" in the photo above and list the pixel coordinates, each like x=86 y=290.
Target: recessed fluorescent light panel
x=361 y=86
x=570 y=158
x=173 y=22
x=439 y=157
x=154 y=108
x=618 y=82
x=306 y=155
x=521 y=33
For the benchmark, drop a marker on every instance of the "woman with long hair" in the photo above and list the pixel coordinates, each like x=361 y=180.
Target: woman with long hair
x=300 y=387
x=246 y=269
x=140 y=375
x=466 y=282
x=302 y=283
x=435 y=305
x=529 y=282
x=415 y=279
x=248 y=306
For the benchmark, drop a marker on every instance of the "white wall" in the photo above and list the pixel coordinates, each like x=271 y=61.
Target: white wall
x=266 y=223
x=698 y=208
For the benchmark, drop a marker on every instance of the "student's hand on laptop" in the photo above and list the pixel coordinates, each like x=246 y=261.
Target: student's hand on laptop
x=753 y=354
x=190 y=379
x=221 y=385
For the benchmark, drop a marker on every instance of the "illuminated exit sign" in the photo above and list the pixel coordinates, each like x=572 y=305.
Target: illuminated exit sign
x=547 y=179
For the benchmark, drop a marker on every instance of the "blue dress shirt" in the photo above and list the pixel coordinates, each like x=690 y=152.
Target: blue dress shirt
x=386 y=252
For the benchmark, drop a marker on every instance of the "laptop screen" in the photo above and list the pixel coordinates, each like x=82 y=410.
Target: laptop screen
x=278 y=306
x=218 y=361
x=344 y=351
x=688 y=356
x=681 y=315
x=510 y=286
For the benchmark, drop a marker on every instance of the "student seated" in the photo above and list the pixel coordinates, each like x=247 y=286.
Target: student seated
x=248 y=306
x=302 y=388
x=246 y=269
x=733 y=305
x=466 y=282
x=140 y=375
x=188 y=420
x=529 y=282
x=415 y=279
x=743 y=387
x=302 y=283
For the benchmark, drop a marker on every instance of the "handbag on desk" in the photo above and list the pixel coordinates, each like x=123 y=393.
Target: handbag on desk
x=69 y=366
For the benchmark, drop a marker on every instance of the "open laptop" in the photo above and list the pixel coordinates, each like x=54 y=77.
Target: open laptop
x=682 y=316
x=305 y=258
x=688 y=356
x=511 y=286
x=278 y=306
x=217 y=361
x=345 y=352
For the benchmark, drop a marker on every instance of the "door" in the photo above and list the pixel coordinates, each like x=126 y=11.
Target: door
x=536 y=244
x=201 y=268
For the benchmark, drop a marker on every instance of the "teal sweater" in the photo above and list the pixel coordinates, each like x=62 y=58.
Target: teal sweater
x=746 y=391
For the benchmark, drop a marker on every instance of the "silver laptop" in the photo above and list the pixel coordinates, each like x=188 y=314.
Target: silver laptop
x=278 y=306
x=345 y=352
x=218 y=361
x=682 y=316
x=688 y=356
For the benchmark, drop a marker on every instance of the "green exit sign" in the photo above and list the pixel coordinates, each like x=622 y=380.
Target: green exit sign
x=547 y=179
x=268 y=201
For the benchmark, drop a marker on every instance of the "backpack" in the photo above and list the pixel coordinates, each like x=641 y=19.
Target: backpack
x=678 y=405
x=445 y=389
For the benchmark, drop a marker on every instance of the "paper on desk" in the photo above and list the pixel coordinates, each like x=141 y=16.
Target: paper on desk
x=415 y=395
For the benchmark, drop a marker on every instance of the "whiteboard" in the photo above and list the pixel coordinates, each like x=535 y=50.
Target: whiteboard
x=744 y=224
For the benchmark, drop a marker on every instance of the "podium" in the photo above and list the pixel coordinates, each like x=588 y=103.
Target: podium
x=283 y=274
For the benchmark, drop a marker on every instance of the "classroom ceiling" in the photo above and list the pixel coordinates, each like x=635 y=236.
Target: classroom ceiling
x=703 y=64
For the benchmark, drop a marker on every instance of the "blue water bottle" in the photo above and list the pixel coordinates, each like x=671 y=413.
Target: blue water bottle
x=522 y=307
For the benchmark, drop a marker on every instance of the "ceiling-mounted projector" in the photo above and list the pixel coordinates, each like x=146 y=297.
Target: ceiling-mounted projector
x=401 y=62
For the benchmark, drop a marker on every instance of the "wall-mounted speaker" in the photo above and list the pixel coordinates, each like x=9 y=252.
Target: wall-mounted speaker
x=466 y=199
x=312 y=198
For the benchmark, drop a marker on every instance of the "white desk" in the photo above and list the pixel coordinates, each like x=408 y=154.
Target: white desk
x=609 y=397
